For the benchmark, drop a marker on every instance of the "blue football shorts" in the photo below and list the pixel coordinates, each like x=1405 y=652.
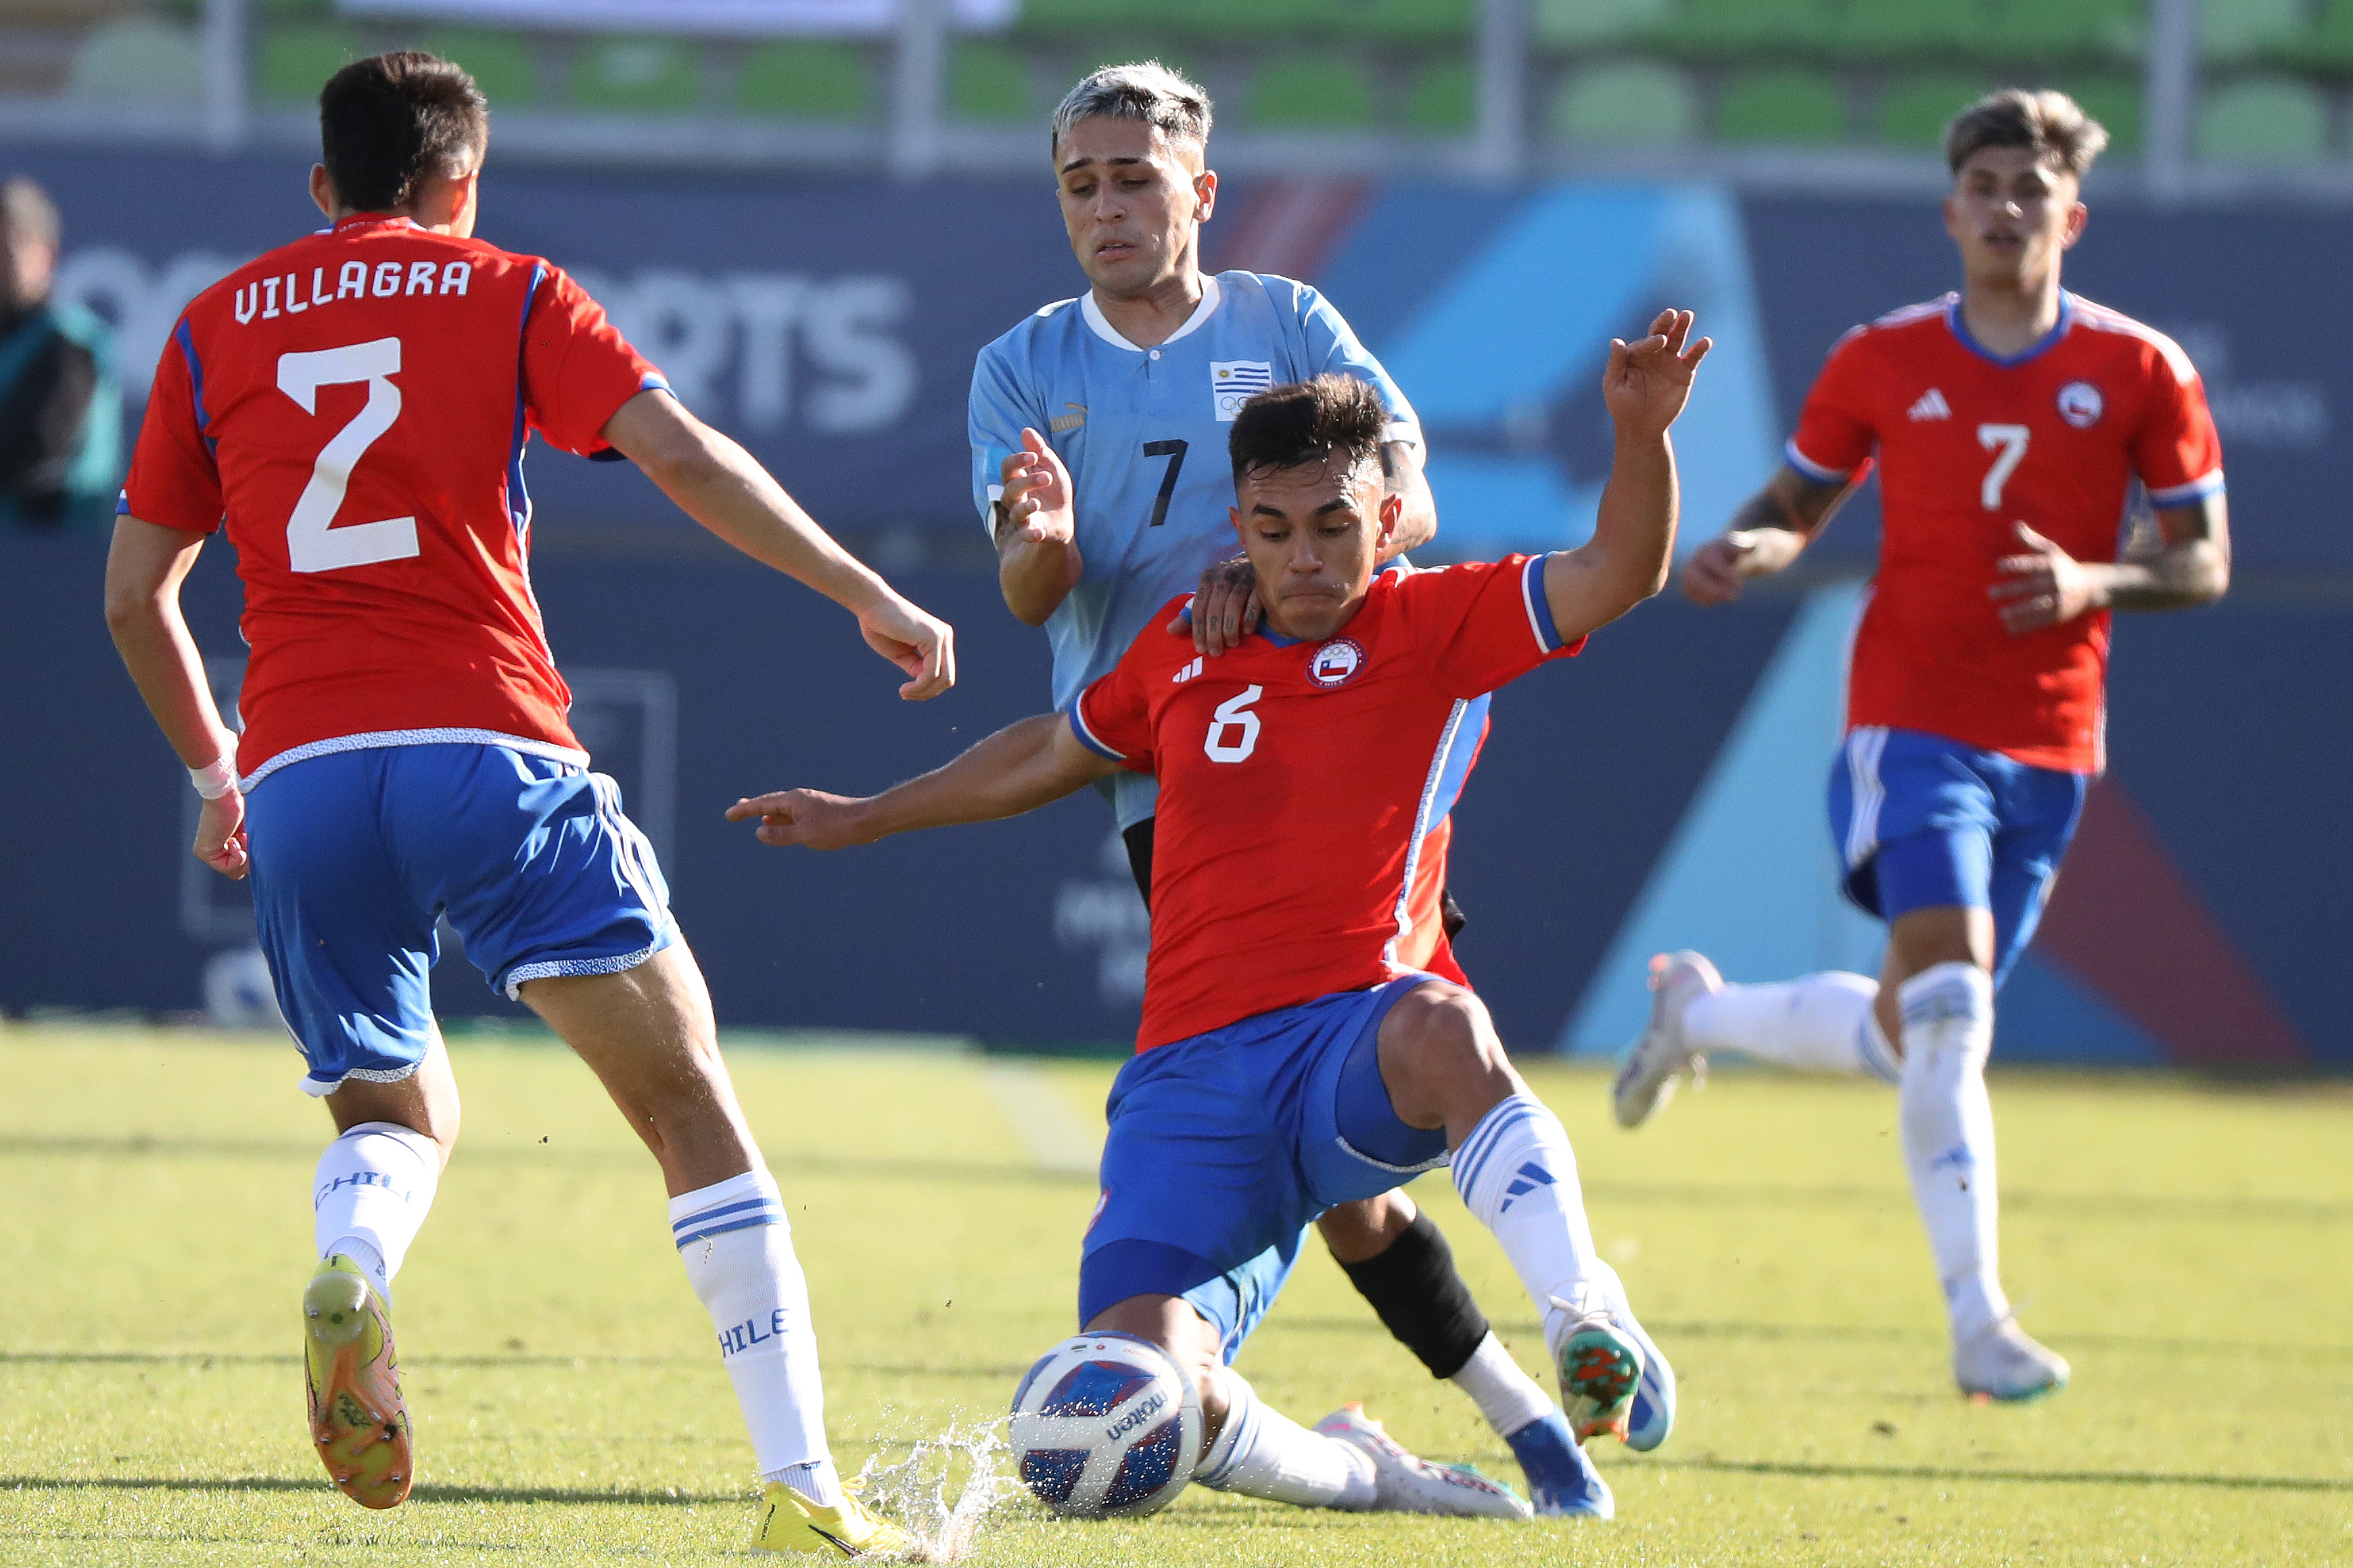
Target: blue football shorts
x=1223 y=1148
x=1921 y=821
x=357 y=854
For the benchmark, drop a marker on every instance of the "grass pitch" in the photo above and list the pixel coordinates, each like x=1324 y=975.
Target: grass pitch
x=2184 y=1247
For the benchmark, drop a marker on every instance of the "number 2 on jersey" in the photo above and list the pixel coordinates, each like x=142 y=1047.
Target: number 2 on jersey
x=2011 y=440
x=1175 y=452
x=313 y=543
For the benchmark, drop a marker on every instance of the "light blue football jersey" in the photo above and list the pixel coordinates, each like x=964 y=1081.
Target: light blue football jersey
x=1144 y=434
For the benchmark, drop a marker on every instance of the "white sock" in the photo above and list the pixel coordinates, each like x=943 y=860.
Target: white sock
x=1816 y=1023
x=1948 y=1136
x=373 y=1188
x=1263 y=1453
x=738 y=1251
x=1517 y=1176
x=1508 y=1398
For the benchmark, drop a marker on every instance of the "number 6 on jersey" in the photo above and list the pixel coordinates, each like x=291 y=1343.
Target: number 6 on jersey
x=1233 y=713
x=313 y=543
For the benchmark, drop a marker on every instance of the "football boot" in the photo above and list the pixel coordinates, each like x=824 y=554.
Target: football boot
x=1648 y=1072
x=358 y=1425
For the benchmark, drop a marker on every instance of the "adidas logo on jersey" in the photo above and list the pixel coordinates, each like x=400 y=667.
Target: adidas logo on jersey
x=1931 y=405
x=1186 y=674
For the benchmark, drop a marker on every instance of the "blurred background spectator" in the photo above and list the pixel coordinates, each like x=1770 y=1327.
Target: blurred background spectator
x=61 y=408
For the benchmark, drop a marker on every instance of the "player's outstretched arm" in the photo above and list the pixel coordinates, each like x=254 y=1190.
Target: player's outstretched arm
x=724 y=488
x=145 y=570
x=1037 y=560
x=1768 y=532
x=2045 y=586
x=1021 y=768
x=1645 y=385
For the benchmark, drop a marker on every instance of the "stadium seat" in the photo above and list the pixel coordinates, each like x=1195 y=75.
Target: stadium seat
x=1407 y=21
x=1444 y=97
x=645 y=76
x=2068 y=29
x=136 y=60
x=1798 y=106
x=1118 y=50
x=1628 y=103
x=808 y=80
x=499 y=63
x=1310 y=91
x=1736 y=29
x=987 y=81
x=1904 y=30
x=1567 y=23
x=2329 y=44
x=1913 y=110
x=2267 y=120
x=2243 y=29
x=2114 y=102
x=293 y=63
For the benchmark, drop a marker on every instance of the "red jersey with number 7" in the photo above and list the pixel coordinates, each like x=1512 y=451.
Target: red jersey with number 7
x=352 y=407
x=1969 y=444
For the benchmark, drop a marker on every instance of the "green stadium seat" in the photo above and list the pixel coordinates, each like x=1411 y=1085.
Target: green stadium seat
x=1798 y=106
x=1444 y=97
x=2114 y=102
x=2264 y=119
x=1640 y=103
x=808 y=80
x=1306 y=90
x=292 y=63
x=500 y=63
x=1124 y=49
x=1564 y=23
x=137 y=60
x=1736 y=29
x=1405 y=21
x=2068 y=29
x=1913 y=112
x=2244 y=29
x=642 y=76
x=2330 y=42
x=1906 y=30
x=987 y=81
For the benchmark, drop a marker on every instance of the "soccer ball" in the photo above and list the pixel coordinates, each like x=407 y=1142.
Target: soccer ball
x=1105 y=1425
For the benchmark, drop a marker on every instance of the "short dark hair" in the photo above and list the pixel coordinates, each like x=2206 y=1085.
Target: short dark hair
x=2050 y=121
x=1308 y=421
x=389 y=123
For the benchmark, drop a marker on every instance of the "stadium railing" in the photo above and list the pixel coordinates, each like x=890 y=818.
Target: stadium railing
x=1833 y=92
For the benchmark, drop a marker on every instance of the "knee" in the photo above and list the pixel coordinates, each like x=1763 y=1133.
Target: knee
x=1443 y=1033
x=1357 y=1232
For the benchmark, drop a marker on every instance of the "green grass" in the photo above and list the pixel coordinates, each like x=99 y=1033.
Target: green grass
x=2184 y=1246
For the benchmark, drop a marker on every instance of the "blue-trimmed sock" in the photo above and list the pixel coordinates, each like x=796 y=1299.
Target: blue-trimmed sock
x=371 y=1193
x=1517 y=1176
x=738 y=1251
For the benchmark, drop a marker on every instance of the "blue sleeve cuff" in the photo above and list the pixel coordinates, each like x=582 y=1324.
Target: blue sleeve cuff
x=1086 y=736
x=1810 y=469
x=1539 y=608
x=2182 y=495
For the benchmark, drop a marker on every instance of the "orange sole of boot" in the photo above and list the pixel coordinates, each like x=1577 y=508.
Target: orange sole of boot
x=366 y=1448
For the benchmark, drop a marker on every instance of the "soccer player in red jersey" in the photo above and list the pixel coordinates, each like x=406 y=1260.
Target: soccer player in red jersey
x=2009 y=423
x=1305 y=1040
x=353 y=409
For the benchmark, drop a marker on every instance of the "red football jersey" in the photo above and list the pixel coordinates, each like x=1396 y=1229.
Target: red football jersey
x=1304 y=788
x=354 y=406
x=1968 y=446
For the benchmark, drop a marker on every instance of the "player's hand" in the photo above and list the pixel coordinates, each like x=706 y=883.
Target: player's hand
x=808 y=818
x=922 y=645
x=2045 y=587
x=1037 y=494
x=220 y=836
x=1646 y=384
x=1712 y=575
x=1225 y=608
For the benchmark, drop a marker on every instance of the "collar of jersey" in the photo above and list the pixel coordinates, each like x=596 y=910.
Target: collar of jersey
x=373 y=219
x=1961 y=331
x=1210 y=294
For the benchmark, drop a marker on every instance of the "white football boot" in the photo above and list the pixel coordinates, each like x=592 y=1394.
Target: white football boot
x=2004 y=1362
x=1403 y=1483
x=1647 y=1073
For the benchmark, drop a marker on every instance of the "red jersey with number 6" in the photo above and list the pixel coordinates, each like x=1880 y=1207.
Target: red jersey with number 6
x=353 y=407
x=1969 y=444
x=1305 y=787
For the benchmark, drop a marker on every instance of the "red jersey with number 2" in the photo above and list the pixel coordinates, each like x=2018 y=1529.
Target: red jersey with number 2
x=1305 y=787
x=353 y=407
x=1969 y=444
